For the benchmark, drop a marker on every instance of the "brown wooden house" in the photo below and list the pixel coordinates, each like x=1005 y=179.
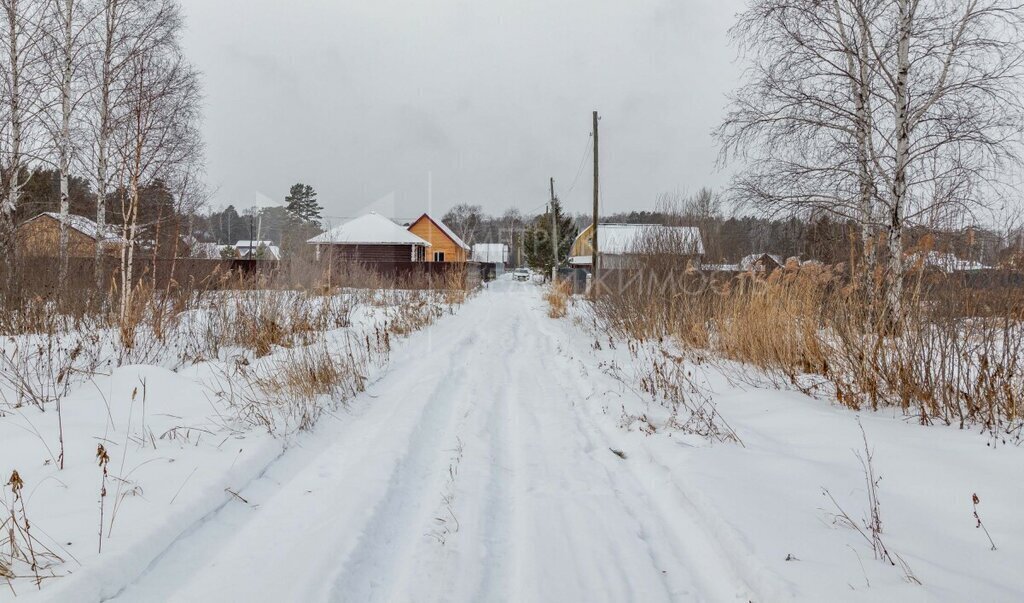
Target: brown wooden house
x=40 y=237
x=371 y=239
x=445 y=245
x=761 y=262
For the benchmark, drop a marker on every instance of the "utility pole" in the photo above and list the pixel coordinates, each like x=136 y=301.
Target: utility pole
x=594 y=269
x=554 y=236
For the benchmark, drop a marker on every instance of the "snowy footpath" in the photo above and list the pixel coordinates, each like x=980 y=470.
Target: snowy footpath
x=492 y=462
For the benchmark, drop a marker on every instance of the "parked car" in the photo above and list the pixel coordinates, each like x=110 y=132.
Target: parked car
x=521 y=274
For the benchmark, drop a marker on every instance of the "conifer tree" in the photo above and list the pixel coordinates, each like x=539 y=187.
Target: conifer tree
x=537 y=239
x=302 y=204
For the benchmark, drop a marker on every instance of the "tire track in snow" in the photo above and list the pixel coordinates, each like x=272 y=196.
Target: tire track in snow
x=591 y=531
x=501 y=511
x=551 y=514
x=207 y=521
x=378 y=571
x=457 y=569
x=294 y=520
x=398 y=518
x=710 y=565
x=552 y=527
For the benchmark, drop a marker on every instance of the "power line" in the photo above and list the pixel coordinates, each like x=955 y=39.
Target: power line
x=583 y=161
x=530 y=211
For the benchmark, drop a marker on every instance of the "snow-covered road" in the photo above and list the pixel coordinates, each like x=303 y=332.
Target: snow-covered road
x=503 y=455
x=469 y=472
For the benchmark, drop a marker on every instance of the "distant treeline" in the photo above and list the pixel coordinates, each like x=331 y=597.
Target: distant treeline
x=726 y=238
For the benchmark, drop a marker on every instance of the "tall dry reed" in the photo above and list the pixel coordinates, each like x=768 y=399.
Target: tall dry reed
x=957 y=356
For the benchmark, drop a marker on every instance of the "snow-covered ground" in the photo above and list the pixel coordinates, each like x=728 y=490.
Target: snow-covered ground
x=504 y=455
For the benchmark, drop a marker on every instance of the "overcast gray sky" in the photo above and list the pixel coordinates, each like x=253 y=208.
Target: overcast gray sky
x=368 y=100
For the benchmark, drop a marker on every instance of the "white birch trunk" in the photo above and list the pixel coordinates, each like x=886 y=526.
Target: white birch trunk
x=10 y=201
x=868 y=204
x=103 y=136
x=854 y=38
x=128 y=251
x=64 y=154
x=894 y=292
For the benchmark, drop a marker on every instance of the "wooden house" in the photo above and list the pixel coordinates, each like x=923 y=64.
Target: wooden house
x=40 y=237
x=370 y=238
x=445 y=245
x=761 y=262
x=619 y=245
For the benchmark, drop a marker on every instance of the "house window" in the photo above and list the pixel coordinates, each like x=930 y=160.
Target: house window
x=438 y=256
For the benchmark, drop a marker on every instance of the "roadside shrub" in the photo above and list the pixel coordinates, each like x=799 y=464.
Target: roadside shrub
x=557 y=297
x=291 y=392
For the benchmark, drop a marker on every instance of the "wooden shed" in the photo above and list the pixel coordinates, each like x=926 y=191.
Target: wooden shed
x=445 y=245
x=40 y=237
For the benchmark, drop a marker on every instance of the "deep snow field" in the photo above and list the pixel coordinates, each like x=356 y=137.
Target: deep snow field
x=501 y=455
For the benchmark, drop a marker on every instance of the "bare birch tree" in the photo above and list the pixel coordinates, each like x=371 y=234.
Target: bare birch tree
x=877 y=111
x=123 y=30
x=952 y=116
x=188 y=185
x=159 y=136
x=802 y=121
x=795 y=121
x=66 y=39
x=20 y=33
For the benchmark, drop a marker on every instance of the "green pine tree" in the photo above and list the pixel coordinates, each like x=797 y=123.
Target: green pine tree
x=302 y=204
x=537 y=240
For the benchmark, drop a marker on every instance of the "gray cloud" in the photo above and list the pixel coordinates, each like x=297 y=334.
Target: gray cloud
x=364 y=98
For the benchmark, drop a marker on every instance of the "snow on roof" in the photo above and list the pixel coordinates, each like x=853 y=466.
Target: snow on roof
x=748 y=261
x=252 y=244
x=87 y=227
x=208 y=251
x=371 y=229
x=444 y=227
x=490 y=253
x=272 y=252
x=721 y=267
x=948 y=262
x=620 y=239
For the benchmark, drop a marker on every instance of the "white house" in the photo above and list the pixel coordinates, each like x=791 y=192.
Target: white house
x=490 y=253
x=257 y=250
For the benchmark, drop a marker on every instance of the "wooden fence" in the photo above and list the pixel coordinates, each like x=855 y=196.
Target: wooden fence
x=39 y=276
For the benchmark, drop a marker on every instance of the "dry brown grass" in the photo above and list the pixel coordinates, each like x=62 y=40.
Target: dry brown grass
x=293 y=391
x=558 y=296
x=22 y=554
x=957 y=359
x=281 y=359
x=774 y=323
x=64 y=338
